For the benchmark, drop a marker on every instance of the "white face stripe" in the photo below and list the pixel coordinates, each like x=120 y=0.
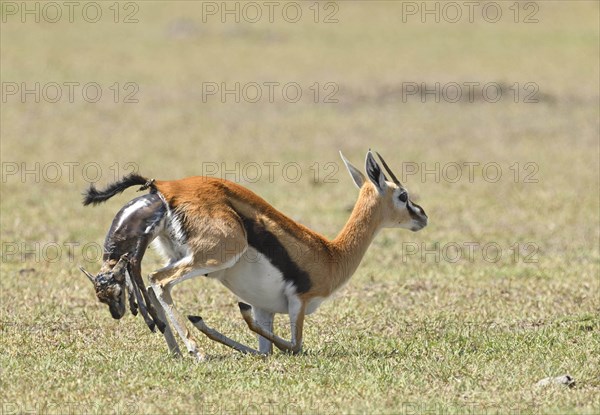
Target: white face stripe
x=396 y=195
x=408 y=205
x=417 y=208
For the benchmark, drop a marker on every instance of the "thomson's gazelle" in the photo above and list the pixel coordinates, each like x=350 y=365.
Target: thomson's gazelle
x=216 y=228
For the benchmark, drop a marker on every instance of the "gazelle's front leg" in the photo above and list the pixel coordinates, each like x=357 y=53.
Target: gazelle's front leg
x=162 y=281
x=212 y=334
x=264 y=319
x=296 y=309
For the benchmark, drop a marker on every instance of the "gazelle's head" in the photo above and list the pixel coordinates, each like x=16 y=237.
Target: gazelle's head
x=110 y=287
x=397 y=210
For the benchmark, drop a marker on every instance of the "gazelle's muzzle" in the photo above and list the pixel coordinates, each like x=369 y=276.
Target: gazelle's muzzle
x=418 y=216
x=117 y=311
x=418 y=225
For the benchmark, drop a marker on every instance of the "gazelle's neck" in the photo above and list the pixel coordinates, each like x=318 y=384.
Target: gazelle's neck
x=356 y=236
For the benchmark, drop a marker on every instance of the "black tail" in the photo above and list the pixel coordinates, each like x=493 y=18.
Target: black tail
x=93 y=196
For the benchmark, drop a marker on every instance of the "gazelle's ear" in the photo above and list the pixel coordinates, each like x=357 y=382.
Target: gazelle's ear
x=374 y=173
x=120 y=269
x=356 y=174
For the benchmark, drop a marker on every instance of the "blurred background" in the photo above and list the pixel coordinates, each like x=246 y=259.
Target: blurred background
x=488 y=112
x=155 y=87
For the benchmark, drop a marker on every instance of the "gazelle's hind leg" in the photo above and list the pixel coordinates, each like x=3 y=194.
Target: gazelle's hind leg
x=211 y=244
x=163 y=281
x=162 y=290
x=163 y=296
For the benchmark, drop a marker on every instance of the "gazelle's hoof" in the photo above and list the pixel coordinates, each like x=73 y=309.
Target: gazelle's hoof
x=197 y=356
x=176 y=353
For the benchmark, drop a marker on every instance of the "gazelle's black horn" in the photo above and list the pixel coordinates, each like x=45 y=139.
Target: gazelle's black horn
x=394 y=179
x=87 y=274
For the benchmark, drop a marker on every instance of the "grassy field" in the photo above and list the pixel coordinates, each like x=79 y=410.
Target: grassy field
x=499 y=291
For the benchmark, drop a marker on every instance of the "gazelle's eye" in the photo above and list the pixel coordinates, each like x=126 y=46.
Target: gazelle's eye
x=403 y=197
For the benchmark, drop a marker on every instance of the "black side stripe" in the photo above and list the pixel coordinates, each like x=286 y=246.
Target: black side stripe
x=265 y=242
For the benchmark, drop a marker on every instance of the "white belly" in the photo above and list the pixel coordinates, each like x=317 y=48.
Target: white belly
x=257 y=282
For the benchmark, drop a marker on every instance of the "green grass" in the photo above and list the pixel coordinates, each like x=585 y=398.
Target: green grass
x=409 y=333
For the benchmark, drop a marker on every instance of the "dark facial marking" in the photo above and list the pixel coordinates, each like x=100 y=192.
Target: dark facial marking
x=267 y=244
x=414 y=214
x=105 y=286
